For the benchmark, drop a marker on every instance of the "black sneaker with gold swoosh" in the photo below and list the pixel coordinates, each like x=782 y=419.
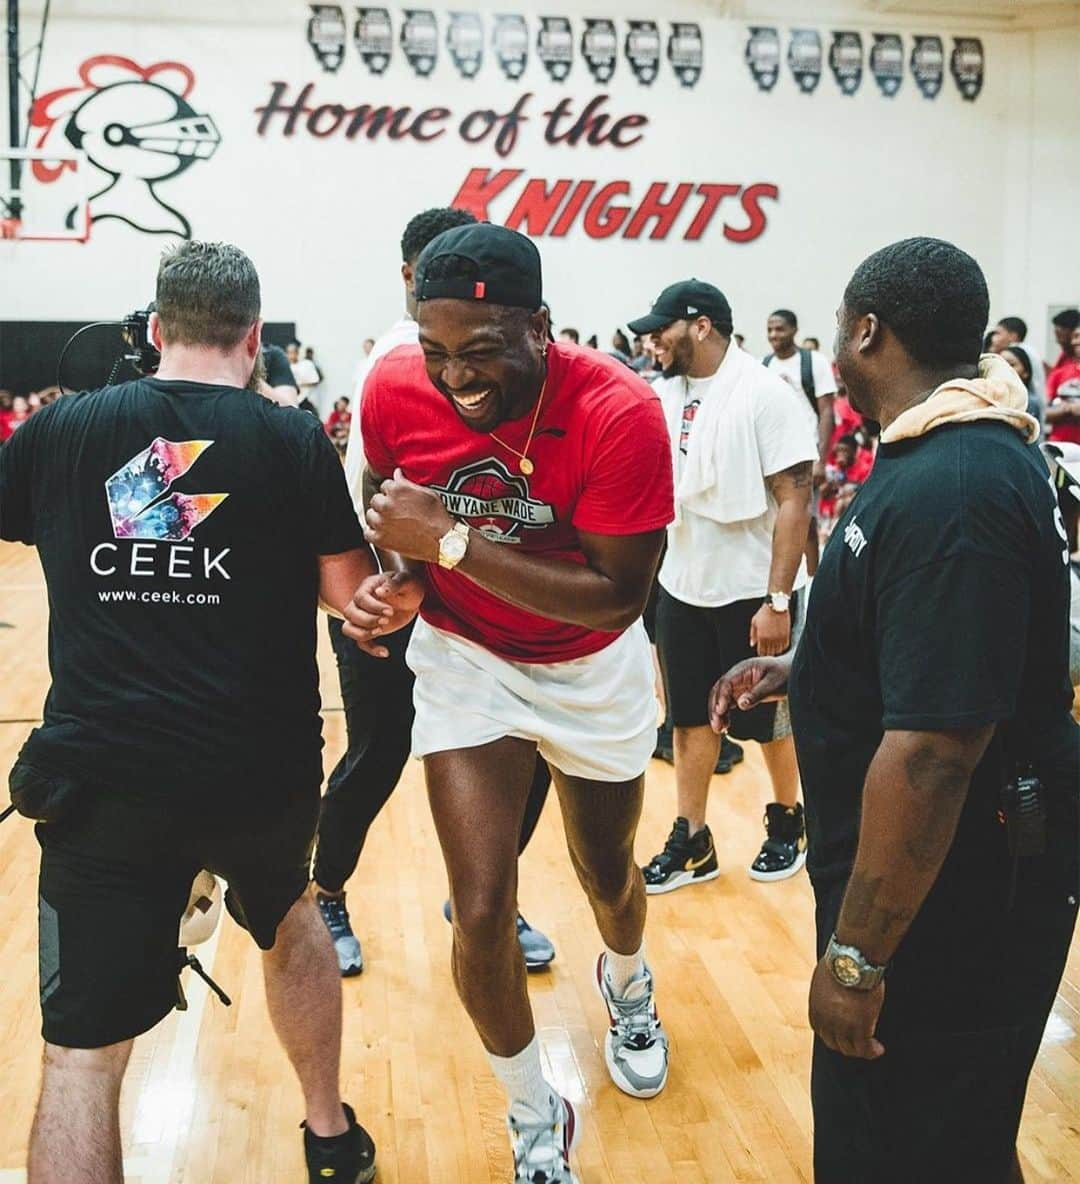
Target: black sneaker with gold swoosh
x=342 y=1159
x=685 y=859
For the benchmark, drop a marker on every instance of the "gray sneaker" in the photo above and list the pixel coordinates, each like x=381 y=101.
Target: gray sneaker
x=537 y=948
x=542 y=1143
x=636 y=1046
x=336 y=915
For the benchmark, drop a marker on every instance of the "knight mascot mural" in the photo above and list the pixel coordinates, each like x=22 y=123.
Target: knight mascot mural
x=136 y=126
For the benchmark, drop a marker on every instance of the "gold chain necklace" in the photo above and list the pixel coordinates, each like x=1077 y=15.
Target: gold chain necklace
x=524 y=464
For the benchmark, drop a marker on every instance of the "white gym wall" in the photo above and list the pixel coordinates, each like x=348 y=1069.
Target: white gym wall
x=322 y=216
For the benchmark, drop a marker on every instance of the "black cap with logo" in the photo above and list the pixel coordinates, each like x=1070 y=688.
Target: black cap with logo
x=491 y=263
x=685 y=301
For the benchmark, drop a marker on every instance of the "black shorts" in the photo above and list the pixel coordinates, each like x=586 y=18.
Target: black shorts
x=697 y=645
x=116 y=874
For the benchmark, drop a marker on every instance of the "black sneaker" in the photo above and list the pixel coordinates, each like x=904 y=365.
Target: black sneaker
x=784 y=851
x=336 y=918
x=664 y=750
x=684 y=860
x=730 y=755
x=345 y=1159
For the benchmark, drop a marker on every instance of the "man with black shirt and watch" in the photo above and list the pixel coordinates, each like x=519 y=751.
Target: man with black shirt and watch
x=522 y=488
x=931 y=705
x=728 y=584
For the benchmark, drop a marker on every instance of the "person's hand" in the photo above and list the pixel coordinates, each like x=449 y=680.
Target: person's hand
x=843 y=1018
x=757 y=680
x=384 y=603
x=770 y=631
x=408 y=519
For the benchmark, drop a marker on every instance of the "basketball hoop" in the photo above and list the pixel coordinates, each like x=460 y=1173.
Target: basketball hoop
x=9 y=227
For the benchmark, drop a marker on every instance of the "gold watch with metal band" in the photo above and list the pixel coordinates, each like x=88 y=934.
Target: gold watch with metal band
x=850 y=968
x=453 y=545
x=778 y=601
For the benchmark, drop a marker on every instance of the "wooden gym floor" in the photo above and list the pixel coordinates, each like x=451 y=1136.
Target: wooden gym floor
x=210 y=1098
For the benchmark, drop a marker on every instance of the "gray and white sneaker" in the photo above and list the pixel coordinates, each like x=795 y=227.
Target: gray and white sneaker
x=636 y=1046
x=542 y=1143
x=346 y=946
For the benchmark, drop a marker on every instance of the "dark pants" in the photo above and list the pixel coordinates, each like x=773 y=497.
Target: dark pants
x=961 y=1026
x=377 y=695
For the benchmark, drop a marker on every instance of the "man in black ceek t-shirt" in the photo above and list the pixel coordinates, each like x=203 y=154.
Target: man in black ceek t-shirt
x=932 y=674
x=187 y=528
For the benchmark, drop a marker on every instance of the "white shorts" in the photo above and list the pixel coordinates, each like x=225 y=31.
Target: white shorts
x=591 y=717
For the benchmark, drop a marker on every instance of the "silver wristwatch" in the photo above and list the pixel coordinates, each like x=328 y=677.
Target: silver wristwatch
x=850 y=969
x=778 y=601
x=453 y=545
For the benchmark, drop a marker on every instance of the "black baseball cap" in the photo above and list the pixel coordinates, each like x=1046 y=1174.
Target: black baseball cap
x=683 y=302
x=500 y=267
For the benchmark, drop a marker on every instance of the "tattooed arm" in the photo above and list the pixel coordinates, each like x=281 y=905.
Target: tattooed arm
x=915 y=789
x=770 y=631
x=914 y=792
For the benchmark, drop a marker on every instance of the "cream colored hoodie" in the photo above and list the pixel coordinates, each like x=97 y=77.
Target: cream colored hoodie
x=997 y=393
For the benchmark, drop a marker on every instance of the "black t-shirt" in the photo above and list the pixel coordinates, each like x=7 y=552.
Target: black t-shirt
x=179 y=525
x=278 y=370
x=941 y=602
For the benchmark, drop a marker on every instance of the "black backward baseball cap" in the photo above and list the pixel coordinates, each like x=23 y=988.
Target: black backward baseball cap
x=683 y=302
x=500 y=267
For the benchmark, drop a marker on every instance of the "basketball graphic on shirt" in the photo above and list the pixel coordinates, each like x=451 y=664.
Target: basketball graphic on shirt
x=492 y=500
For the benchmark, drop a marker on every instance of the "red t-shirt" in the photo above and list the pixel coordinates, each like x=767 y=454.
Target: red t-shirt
x=1063 y=382
x=602 y=460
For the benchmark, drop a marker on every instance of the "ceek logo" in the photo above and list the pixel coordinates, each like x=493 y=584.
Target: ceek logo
x=137 y=505
x=145 y=510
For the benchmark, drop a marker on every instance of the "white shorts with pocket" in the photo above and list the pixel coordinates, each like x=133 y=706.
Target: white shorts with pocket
x=591 y=717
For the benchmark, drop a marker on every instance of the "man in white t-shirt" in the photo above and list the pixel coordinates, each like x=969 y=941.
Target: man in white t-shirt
x=808 y=372
x=305 y=373
x=728 y=584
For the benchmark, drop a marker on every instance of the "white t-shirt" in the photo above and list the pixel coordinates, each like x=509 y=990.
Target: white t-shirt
x=790 y=370
x=711 y=563
x=403 y=332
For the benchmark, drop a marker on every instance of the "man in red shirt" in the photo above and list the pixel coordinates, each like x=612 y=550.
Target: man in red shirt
x=1063 y=396
x=527 y=486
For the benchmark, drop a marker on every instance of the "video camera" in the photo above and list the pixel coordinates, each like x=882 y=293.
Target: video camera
x=139 y=351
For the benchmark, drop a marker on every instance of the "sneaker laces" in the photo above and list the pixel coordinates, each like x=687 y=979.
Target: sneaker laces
x=676 y=844
x=336 y=915
x=634 y=1018
x=538 y=1148
x=778 y=849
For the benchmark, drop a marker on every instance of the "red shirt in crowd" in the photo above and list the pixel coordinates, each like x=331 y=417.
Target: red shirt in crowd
x=1063 y=383
x=338 y=421
x=602 y=462
x=9 y=421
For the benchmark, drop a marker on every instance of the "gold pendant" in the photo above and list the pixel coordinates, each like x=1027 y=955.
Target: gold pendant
x=526 y=466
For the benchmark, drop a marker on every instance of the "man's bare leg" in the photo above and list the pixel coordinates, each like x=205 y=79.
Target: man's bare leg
x=303 y=994
x=76 y=1132
x=783 y=770
x=477 y=798
x=601 y=820
x=696 y=750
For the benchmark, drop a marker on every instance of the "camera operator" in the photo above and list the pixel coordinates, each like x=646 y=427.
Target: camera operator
x=187 y=528
x=930 y=702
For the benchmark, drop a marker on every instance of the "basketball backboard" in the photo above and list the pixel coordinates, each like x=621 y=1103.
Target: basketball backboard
x=44 y=196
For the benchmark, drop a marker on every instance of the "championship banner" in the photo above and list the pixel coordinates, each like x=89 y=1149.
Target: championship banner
x=763 y=56
x=420 y=40
x=600 y=48
x=928 y=65
x=326 y=35
x=887 y=62
x=846 y=61
x=805 y=58
x=465 y=42
x=373 y=36
x=643 y=51
x=555 y=46
x=967 y=65
x=686 y=52
x=510 y=40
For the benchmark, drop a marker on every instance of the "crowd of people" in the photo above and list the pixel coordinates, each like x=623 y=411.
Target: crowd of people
x=530 y=542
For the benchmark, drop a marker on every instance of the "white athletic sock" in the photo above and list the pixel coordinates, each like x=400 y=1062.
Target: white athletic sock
x=522 y=1077
x=621 y=969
